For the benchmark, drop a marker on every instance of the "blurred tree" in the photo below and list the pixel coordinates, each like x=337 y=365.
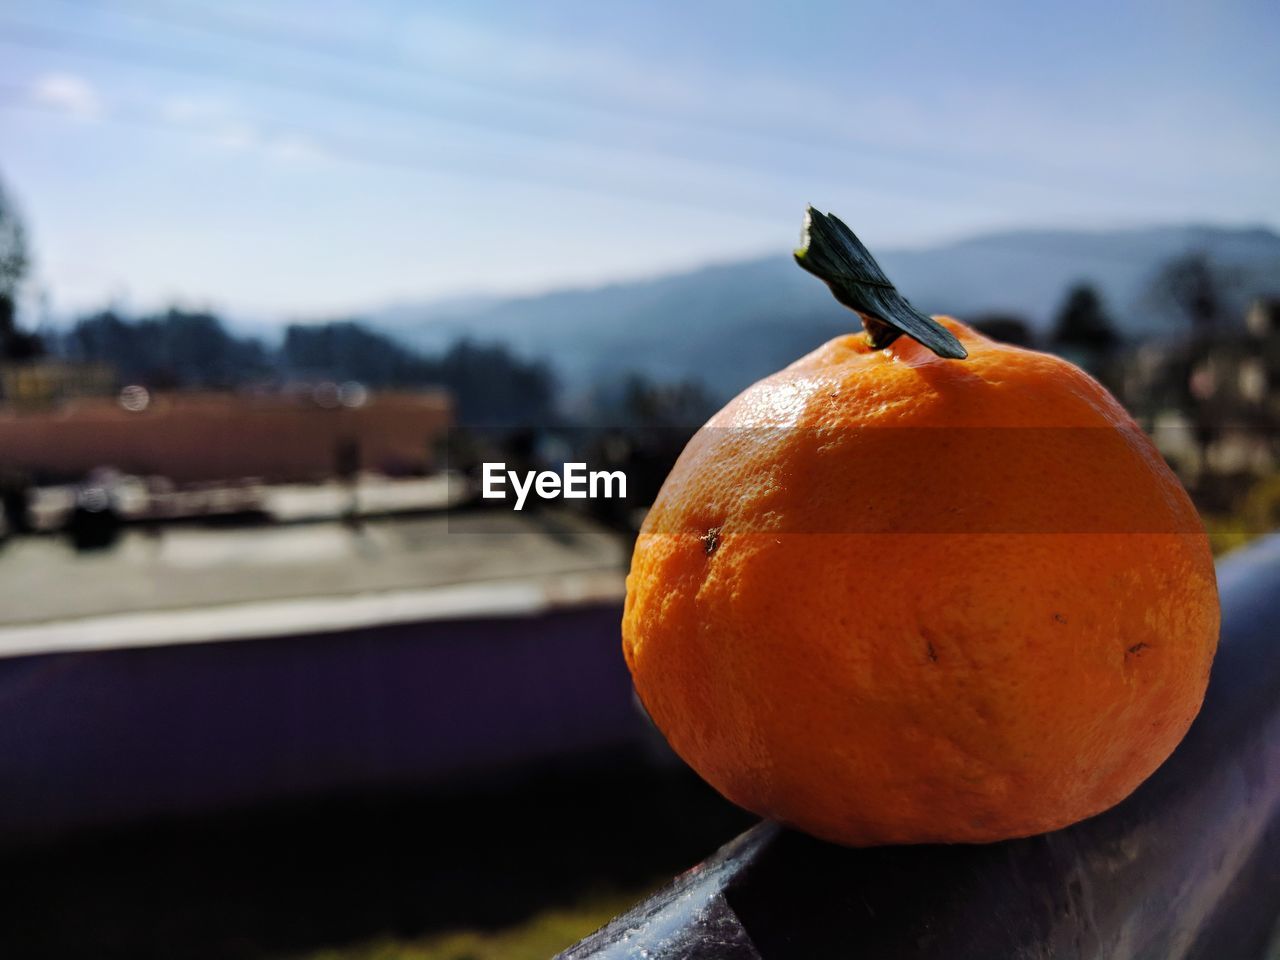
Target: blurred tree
x=14 y=261
x=490 y=384
x=347 y=350
x=1004 y=327
x=684 y=404
x=640 y=426
x=13 y=246
x=494 y=387
x=172 y=349
x=1083 y=321
x=1195 y=287
x=1202 y=292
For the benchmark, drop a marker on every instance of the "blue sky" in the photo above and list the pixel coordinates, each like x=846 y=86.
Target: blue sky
x=313 y=159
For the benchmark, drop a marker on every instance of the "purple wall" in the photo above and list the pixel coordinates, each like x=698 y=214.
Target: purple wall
x=124 y=734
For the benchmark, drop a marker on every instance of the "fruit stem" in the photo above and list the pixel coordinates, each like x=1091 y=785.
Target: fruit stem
x=833 y=253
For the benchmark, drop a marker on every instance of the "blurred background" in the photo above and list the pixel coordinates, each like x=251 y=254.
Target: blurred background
x=275 y=279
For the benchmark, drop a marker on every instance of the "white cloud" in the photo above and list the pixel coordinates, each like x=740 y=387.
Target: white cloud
x=235 y=135
x=290 y=147
x=188 y=109
x=67 y=92
x=222 y=124
x=213 y=120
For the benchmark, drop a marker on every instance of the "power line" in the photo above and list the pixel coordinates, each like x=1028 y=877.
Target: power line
x=147 y=56
x=802 y=148
x=353 y=151
x=218 y=24
x=800 y=145
x=136 y=55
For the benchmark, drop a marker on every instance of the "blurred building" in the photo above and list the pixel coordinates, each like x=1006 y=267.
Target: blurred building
x=46 y=382
x=304 y=435
x=1206 y=398
x=1209 y=403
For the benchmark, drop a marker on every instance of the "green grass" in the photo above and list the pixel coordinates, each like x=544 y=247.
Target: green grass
x=537 y=938
x=517 y=866
x=1256 y=514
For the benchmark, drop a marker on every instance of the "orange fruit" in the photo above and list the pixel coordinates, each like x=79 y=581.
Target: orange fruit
x=886 y=597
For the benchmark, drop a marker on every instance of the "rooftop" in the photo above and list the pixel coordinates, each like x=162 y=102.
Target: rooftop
x=189 y=583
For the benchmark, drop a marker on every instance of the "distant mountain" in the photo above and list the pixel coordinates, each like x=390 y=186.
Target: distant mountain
x=438 y=324
x=727 y=325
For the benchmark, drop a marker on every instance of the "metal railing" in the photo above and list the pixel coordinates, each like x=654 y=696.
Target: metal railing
x=1186 y=867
